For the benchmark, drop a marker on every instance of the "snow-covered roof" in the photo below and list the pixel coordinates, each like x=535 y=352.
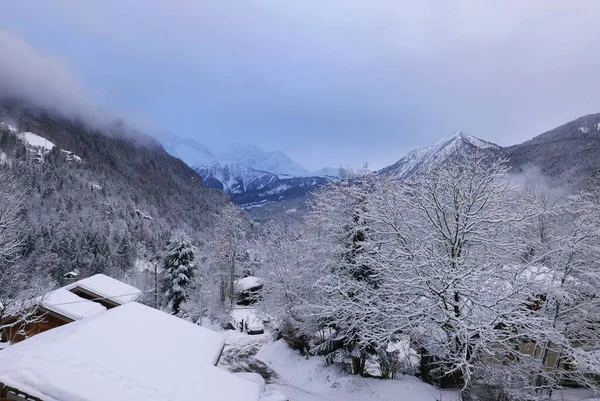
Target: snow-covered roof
x=128 y=353
x=107 y=287
x=66 y=303
x=247 y=283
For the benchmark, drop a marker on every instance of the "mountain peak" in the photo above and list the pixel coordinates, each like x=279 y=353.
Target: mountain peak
x=438 y=152
x=461 y=137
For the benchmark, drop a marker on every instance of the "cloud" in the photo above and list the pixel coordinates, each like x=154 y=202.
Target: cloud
x=43 y=80
x=332 y=81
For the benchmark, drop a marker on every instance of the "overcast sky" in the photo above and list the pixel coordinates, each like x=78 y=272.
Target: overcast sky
x=329 y=82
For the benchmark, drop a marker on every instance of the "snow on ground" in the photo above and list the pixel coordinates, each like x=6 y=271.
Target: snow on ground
x=36 y=140
x=289 y=375
x=310 y=380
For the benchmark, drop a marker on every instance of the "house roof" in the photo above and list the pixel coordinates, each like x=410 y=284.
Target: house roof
x=108 y=287
x=72 y=306
x=66 y=303
x=128 y=353
x=247 y=283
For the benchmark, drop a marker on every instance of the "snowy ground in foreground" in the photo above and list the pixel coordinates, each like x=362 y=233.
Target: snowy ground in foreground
x=291 y=376
x=288 y=373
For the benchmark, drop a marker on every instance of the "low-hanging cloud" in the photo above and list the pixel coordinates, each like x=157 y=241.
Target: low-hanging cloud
x=43 y=80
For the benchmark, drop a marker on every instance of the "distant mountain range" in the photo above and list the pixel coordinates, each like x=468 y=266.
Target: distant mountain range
x=250 y=175
x=261 y=181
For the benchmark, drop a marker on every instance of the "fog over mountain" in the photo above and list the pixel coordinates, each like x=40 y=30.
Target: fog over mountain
x=329 y=84
x=41 y=79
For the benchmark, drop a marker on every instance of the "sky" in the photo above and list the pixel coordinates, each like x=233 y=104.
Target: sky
x=328 y=82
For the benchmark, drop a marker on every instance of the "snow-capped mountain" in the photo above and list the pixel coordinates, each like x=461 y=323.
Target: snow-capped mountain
x=234 y=178
x=188 y=150
x=249 y=174
x=199 y=156
x=274 y=162
x=437 y=153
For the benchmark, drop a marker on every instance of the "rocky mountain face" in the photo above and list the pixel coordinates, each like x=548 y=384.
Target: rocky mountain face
x=98 y=201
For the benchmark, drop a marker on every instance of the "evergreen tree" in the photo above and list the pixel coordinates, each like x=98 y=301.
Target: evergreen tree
x=340 y=212
x=179 y=271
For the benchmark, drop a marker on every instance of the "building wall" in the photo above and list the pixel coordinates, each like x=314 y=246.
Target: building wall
x=45 y=321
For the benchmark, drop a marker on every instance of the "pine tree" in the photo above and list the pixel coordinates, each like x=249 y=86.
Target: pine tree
x=179 y=271
x=341 y=211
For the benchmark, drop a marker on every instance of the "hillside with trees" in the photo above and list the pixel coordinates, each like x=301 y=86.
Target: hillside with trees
x=98 y=201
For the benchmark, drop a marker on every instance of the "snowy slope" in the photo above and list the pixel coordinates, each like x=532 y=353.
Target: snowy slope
x=199 y=156
x=249 y=174
x=247 y=157
x=36 y=141
x=37 y=145
x=437 y=153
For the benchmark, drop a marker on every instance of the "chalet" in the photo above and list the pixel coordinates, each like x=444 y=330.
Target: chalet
x=129 y=353
x=73 y=302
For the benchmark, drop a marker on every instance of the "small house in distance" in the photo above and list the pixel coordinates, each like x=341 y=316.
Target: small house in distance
x=76 y=301
x=129 y=353
x=247 y=290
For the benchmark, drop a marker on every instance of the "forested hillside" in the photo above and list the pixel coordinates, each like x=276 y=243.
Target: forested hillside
x=111 y=211
x=566 y=156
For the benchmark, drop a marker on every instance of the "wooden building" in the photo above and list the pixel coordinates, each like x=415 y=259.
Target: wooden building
x=76 y=301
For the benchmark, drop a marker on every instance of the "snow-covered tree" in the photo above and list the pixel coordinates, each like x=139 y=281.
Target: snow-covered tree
x=225 y=249
x=179 y=269
x=11 y=218
x=559 y=340
x=17 y=287
x=443 y=242
x=289 y=269
x=340 y=217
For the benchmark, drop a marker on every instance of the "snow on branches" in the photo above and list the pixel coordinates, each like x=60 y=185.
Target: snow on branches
x=491 y=283
x=179 y=271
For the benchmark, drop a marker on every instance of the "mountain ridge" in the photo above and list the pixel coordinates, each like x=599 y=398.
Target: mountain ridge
x=456 y=143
